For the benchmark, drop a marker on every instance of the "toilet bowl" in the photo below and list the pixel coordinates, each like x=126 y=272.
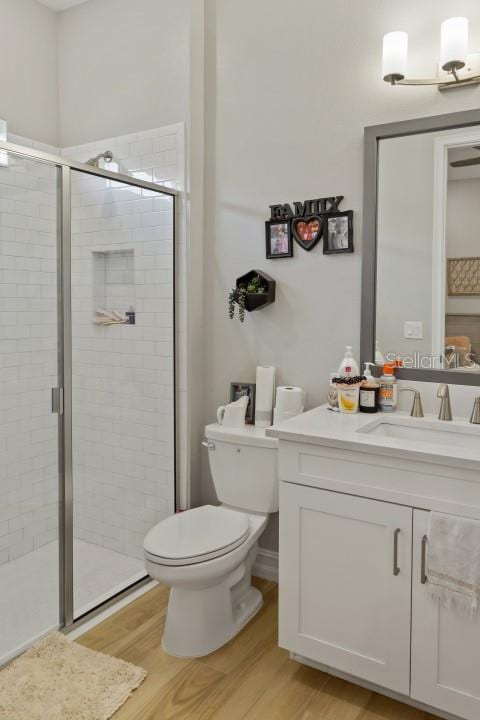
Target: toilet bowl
x=206 y=554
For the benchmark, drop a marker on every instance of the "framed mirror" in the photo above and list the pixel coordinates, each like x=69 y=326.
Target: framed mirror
x=421 y=248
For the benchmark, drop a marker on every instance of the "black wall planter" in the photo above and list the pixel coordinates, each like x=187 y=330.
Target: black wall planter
x=256 y=301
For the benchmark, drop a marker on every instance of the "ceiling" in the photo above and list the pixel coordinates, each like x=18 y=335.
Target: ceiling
x=59 y=5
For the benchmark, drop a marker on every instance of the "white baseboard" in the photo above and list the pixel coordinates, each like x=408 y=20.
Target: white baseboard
x=266 y=565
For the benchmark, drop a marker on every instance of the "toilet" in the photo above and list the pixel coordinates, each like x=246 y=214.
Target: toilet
x=206 y=554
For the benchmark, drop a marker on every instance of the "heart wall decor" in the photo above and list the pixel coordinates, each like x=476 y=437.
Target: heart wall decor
x=308 y=222
x=307 y=231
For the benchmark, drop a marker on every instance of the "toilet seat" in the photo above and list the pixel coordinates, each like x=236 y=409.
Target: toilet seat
x=197 y=535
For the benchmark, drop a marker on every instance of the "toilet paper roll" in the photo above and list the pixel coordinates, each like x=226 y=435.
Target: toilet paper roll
x=290 y=400
x=264 y=394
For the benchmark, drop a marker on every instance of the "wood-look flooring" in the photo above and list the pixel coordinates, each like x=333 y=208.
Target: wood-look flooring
x=249 y=678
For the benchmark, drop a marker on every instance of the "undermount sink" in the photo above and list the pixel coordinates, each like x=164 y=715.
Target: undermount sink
x=433 y=432
x=449 y=443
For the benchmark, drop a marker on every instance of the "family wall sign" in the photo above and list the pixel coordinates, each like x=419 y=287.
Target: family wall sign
x=307 y=222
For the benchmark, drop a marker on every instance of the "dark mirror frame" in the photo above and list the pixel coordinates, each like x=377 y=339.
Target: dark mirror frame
x=372 y=136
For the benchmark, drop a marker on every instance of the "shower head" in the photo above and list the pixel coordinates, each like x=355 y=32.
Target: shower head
x=107 y=156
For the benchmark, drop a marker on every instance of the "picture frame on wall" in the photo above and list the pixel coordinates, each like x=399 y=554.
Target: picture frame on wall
x=338 y=233
x=463 y=276
x=307 y=231
x=278 y=239
x=238 y=390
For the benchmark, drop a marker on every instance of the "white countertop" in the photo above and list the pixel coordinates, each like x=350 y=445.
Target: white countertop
x=321 y=426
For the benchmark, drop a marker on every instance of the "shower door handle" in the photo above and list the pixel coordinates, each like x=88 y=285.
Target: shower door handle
x=57 y=401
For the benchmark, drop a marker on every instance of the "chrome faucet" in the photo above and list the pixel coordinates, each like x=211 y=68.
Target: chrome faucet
x=443 y=393
x=475 y=416
x=417 y=409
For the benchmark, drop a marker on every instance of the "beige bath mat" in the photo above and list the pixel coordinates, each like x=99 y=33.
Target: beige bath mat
x=58 y=679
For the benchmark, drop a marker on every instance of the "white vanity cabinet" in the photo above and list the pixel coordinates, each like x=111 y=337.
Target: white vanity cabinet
x=354 y=594
x=345 y=583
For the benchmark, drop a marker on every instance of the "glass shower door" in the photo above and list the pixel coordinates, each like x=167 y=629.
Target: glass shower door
x=122 y=379
x=29 y=480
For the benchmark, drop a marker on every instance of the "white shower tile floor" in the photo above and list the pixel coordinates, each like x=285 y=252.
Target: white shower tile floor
x=29 y=589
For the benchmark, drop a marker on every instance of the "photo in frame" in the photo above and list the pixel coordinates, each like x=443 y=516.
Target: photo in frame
x=338 y=233
x=278 y=239
x=307 y=231
x=238 y=390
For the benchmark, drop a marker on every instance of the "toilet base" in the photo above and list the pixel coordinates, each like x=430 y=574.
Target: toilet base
x=201 y=621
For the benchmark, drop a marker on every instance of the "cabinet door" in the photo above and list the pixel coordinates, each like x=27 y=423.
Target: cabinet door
x=345 y=583
x=445 y=646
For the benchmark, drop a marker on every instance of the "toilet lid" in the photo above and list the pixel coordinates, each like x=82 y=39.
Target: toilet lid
x=196 y=535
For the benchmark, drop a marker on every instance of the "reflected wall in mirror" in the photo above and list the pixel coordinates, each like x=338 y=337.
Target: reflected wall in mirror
x=428 y=250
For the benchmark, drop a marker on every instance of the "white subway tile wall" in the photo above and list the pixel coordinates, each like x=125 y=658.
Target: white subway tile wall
x=28 y=356
x=123 y=394
x=123 y=429
x=123 y=376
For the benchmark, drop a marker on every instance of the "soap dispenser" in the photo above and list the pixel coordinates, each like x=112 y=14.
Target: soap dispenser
x=348 y=366
x=369 y=391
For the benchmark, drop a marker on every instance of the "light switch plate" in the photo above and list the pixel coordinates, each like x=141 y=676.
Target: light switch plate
x=413 y=330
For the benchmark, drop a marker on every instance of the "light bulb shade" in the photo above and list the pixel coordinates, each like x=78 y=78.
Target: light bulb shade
x=395 y=48
x=454 y=43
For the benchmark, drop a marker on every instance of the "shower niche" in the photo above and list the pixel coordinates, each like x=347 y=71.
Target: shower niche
x=114 y=287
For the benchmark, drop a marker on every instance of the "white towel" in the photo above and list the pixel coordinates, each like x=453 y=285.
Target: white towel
x=453 y=562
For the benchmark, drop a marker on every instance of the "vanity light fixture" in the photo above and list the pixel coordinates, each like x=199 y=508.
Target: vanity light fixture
x=453 y=58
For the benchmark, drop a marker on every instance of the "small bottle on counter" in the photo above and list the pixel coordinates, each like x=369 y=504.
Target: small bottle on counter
x=369 y=391
x=388 y=392
x=348 y=366
x=348 y=392
x=348 y=398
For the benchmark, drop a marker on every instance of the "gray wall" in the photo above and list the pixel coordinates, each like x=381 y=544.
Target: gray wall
x=405 y=242
x=463 y=233
x=103 y=68
x=124 y=67
x=28 y=69
x=289 y=89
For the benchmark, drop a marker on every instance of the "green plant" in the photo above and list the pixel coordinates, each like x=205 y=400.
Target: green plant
x=239 y=295
x=242 y=295
x=231 y=304
x=255 y=285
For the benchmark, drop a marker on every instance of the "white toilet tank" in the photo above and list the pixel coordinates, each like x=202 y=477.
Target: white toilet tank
x=244 y=467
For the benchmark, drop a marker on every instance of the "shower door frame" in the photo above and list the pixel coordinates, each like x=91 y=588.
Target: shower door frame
x=62 y=395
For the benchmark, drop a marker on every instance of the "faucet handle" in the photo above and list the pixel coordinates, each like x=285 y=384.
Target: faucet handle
x=443 y=391
x=475 y=416
x=445 y=408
